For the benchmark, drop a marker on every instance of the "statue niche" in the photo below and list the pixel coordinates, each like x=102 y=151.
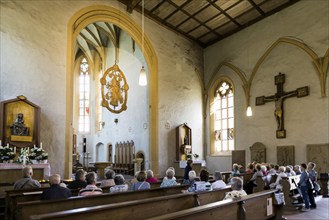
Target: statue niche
x=183 y=142
x=18 y=127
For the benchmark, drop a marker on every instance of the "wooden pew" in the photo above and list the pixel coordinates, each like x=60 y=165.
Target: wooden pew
x=288 y=189
x=158 y=207
x=13 y=197
x=253 y=206
x=139 y=209
x=260 y=185
x=26 y=209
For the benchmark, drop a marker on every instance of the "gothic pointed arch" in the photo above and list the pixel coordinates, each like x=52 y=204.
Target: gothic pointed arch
x=112 y=15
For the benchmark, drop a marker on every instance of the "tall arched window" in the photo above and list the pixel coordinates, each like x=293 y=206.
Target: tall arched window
x=84 y=97
x=223 y=119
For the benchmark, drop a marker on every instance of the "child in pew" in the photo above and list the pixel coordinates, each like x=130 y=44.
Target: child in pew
x=80 y=180
x=141 y=184
x=169 y=180
x=91 y=188
x=237 y=191
x=56 y=191
x=120 y=185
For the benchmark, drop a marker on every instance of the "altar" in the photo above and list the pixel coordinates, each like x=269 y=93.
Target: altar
x=11 y=172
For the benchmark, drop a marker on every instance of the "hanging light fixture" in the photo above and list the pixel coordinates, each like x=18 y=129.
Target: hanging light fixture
x=142 y=74
x=249 y=111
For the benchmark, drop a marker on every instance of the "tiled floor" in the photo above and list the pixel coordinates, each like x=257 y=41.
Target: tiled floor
x=321 y=212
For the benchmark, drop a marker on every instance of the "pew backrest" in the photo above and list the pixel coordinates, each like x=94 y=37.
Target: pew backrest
x=254 y=206
x=137 y=209
x=26 y=209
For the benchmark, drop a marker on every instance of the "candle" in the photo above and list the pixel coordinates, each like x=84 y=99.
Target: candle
x=0 y=143
x=7 y=145
x=14 y=150
x=24 y=159
x=41 y=145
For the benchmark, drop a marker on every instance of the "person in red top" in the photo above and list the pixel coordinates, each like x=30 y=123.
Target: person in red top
x=150 y=177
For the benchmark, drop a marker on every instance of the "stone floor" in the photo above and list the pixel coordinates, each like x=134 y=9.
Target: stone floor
x=321 y=212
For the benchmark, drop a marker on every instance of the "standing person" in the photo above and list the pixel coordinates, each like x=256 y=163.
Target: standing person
x=188 y=168
x=27 y=182
x=55 y=191
x=313 y=177
x=80 y=180
x=91 y=188
x=304 y=177
x=141 y=184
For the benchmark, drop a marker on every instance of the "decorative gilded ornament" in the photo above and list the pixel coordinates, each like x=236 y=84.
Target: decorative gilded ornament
x=114 y=90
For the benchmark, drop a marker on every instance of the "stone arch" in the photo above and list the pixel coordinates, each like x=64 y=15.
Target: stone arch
x=239 y=72
x=76 y=23
x=320 y=63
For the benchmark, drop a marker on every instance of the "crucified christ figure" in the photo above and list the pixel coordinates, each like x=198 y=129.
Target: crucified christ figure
x=278 y=112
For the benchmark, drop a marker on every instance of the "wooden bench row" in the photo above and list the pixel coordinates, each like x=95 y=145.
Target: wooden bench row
x=180 y=206
x=24 y=209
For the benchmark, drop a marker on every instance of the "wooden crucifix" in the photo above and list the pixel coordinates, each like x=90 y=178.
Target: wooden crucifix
x=278 y=98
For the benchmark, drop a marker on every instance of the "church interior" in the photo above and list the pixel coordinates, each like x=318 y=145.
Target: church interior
x=63 y=58
x=149 y=84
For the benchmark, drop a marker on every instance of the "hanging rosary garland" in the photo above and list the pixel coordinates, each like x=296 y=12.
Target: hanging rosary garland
x=114 y=90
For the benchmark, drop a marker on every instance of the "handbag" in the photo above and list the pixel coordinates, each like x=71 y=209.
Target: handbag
x=317 y=186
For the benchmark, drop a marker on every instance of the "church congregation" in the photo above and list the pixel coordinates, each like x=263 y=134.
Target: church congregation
x=164 y=109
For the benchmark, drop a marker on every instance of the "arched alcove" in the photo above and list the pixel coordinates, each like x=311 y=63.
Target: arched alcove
x=109 y=14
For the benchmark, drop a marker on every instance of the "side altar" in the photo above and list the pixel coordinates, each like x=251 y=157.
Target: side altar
x=11 y=172
x=19 y=123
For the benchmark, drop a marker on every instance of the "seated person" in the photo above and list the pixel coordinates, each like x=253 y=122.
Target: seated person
x=120 y=185
x=79 y=182
x=141 y=184
x=173 y=169
x=27 y=182
x=91 y=188
x=191 y=178
x=237 y=191
x=55 y=191
x=252 y=182
x=169 y=180
x=235 y=170
x=109 y=181
x=203 y=184
x=150 y=177
x=281 y=173
x=219 y=183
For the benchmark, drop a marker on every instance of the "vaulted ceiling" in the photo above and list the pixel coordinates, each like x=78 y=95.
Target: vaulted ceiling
x=207 y=21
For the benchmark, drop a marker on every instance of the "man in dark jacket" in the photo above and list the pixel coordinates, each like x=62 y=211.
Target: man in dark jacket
x=55 y=191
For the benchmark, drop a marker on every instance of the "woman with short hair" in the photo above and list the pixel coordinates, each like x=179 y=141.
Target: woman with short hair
x=169 y=181
x=141 y=183
x=91 y=188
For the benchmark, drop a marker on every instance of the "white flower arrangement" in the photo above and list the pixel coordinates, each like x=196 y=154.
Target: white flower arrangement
x=6 y=153
x=37 y=153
